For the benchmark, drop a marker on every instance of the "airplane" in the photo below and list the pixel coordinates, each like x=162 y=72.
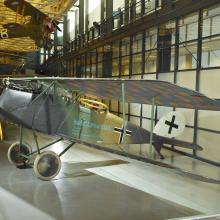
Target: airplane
x=57 y=106
x=32 y=22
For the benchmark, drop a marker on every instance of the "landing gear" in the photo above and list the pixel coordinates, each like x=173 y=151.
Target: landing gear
x=17 y=153
x=47 y=165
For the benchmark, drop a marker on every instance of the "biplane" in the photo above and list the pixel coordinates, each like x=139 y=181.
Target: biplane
x=57 y=106
x=32 y=23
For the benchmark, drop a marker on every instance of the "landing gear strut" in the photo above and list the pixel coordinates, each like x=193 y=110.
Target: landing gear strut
x=47 y=164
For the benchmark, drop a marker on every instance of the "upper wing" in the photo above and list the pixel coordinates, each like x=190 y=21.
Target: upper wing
x=137 y=91
x=25 y=9
x=15 y=30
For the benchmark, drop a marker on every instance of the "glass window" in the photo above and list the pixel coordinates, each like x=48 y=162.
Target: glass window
x=211 y=21
x=41 y=58
x=93 y=56
x=211 y=52
x=118 y=4
x=125 y=65
x=188 y=56
x=188 y=27
x=115 y=67
x=71 y=17
x=99 y=70
x=115 y=49
x=137 y=43
x=137 y=64
x=60 y=35
x=166 y=52
x=138 y=9
x=125 y=46
x=149 y=6
x=151 y=39
x=94 y=11
x=83 y=66
x=93 y=71
x=100 y=54
x=168 y=31
x=151 y=61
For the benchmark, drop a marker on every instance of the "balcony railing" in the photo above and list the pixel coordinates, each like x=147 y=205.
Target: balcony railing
x=120 y=18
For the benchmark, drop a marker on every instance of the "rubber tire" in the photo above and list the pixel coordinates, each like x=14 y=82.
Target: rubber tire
x=41 y=165
x=23 y=160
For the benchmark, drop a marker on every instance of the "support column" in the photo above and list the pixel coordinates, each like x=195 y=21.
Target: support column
x=81 y=16
x=198 y=70
x=86 y=12
x=126 y=12
x=102 y=10
x=152 y=123
x=65 y=31
x=76 y=27
x=109 y=13
x=123 y=110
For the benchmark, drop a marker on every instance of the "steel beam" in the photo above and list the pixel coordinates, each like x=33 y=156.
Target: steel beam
x=123 y=110
x=152 y=123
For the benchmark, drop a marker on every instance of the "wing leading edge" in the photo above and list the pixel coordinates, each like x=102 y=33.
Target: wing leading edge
x=136 y=91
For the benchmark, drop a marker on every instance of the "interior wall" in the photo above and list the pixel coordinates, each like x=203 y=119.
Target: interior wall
x=169 y=52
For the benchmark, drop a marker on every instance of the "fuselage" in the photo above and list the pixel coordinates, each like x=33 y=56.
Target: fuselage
x=51 y=113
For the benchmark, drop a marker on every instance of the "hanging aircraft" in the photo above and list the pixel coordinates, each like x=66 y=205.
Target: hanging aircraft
x=56 y=106
x=31 y=22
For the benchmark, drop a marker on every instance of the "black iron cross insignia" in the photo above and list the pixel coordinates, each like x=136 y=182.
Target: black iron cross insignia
x=122 y=133
x=171 y=124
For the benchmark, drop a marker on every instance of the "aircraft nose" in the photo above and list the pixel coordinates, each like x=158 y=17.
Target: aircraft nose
x=138 y=135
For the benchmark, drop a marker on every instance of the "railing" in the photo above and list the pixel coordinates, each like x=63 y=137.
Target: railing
x=121 y=17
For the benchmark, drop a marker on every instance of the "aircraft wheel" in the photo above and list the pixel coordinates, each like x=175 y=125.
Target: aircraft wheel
x=14 y=151
x=47 y=165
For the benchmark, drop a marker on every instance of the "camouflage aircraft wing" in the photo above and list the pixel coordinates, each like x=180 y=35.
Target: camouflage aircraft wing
x=137 y=91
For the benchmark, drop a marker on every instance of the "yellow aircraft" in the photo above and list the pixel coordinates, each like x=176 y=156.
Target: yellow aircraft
x=30 y=22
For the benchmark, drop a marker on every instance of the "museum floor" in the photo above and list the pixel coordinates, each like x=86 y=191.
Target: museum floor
x=96 y=185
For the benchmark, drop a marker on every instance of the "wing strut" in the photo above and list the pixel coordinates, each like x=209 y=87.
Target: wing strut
x=123 y=110
x=152 y=123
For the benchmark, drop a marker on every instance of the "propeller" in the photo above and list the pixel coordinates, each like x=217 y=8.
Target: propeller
x=55 y=23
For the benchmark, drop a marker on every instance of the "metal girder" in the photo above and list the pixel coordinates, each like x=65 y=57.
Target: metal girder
x=152 y=123
x=123 y=111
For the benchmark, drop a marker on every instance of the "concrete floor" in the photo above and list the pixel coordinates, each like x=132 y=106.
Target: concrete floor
x=97 y=185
